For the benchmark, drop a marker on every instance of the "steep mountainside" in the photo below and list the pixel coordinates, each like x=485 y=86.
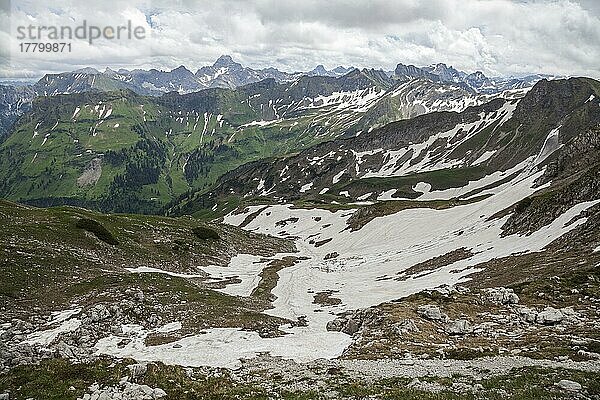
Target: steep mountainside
x=437 y=155
x=226 y=73
x=502 y=198
x=14 y=101
x=120 y=151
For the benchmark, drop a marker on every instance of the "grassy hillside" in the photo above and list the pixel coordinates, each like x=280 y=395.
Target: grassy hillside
x=53 y=257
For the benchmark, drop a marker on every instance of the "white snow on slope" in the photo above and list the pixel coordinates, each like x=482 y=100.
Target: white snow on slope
x=140 y=270
x=170 y=327
x=484 y=157
x=362 y=276
x=487 y=180
x=224 y=347
x=66 y=324
x=61 y=316
x=358 y=100
x=306 y=187
x=551 y=144
x=245 y=267
x=338 y=176
x=399 y=162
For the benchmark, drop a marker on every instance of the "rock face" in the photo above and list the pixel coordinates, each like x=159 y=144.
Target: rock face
x=14 y=101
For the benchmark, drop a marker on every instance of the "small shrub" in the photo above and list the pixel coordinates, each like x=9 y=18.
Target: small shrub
x=97 y=230
x=204 y=233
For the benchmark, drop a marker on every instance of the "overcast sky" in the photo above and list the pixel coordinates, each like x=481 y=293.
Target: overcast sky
x=498 y=37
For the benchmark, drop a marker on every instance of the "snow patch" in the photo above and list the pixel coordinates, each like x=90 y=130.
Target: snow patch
x=170 y=327
x=306 y=187
x=338 y=176
x=45 y=337
x=484 y=157
x=145 y=270
x=245 y=267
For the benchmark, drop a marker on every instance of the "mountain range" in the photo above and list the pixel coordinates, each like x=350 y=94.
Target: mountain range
x=239 y=233
x=119 y=150
x=225 y=73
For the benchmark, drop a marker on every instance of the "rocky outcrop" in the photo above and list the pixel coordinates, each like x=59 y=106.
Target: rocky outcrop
x=550 y=316
x=432 y=312
x=124 y=391
x=501 y=296
x=352 y=323
x=458 y=327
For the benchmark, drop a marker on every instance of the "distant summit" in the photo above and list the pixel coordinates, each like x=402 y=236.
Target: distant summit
x=320 y=70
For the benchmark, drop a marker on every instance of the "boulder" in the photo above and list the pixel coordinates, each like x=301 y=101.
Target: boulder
x=431 y=312
x=550 y=316
x=459 y=327
x=528 y=314
x=406 y=326
x=336 y=325
x=501 y=295
x=98 y=313
x=571 y=386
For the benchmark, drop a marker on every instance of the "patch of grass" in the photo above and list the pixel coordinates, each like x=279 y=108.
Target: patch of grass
x=205 y=233
x=435 y=263
x=269 y=278
x=44 y=263
x=97 y=229
x=52 y=378
x=439 y=180
x=326 y=299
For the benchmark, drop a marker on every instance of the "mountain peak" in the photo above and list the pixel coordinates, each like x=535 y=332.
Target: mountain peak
x=87 y=70
x=225 y=61
x=408 y=72
x=320 y=70
x=342 y=70
x=181 y=68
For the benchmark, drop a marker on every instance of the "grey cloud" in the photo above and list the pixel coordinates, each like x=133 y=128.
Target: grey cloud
x=497 y=37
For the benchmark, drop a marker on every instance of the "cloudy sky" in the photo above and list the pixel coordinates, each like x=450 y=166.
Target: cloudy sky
x=498 y=37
